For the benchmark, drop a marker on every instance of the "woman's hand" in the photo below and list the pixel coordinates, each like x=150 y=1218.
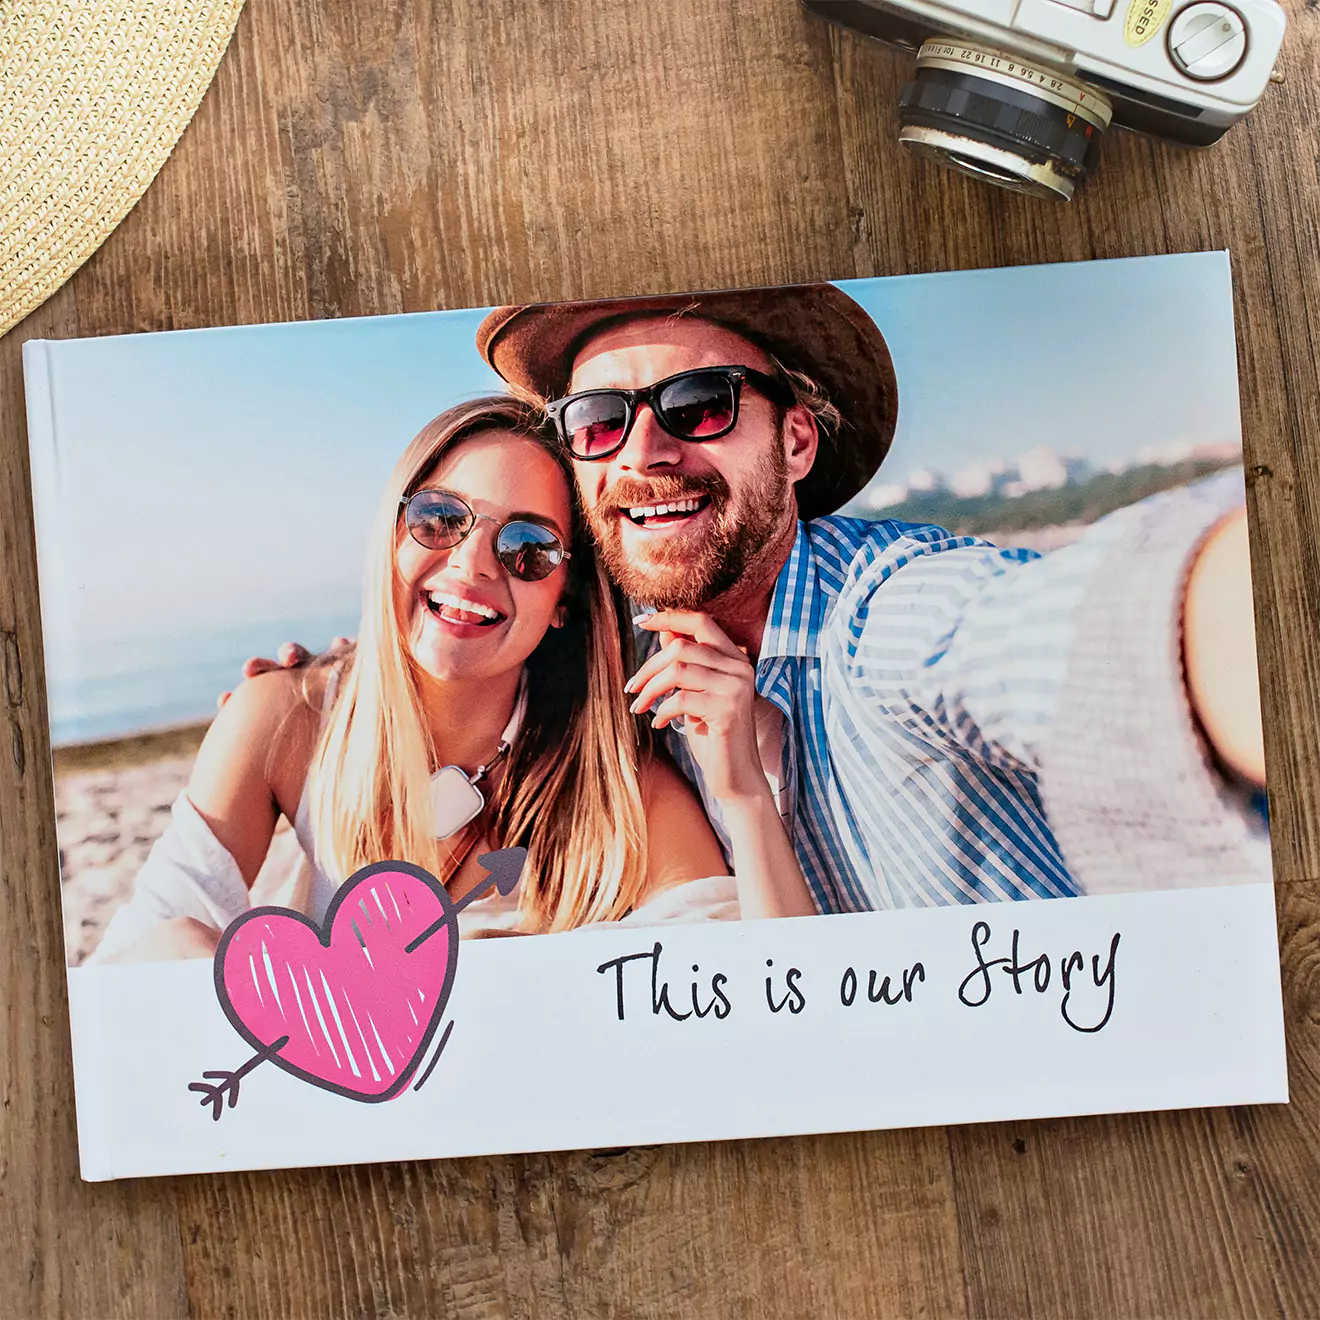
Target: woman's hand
x=701 y=675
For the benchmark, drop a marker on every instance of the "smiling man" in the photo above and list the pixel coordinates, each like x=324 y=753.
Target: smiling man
x=940 y=720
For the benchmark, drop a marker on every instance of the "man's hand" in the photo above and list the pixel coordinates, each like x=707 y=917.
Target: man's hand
x=290 y=656
x=700 y=674
x=1219 y=649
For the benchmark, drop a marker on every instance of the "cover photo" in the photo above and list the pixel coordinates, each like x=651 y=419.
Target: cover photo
x=721 y=678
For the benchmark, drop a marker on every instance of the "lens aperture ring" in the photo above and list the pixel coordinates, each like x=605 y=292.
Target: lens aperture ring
x=1000 y=115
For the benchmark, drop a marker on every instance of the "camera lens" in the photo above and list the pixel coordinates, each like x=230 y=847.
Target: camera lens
x=986 y=113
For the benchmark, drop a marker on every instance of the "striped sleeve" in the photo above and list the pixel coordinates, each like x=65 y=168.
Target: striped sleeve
x=972 y=646
x=1131 y=788
x=956 y=642
x=1066 y=667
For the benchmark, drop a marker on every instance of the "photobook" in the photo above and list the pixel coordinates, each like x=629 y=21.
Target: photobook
x=702 y=716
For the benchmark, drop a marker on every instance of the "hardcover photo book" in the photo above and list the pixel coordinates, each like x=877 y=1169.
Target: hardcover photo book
x=698 y=716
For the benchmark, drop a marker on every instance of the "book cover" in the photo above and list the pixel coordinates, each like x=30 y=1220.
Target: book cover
x=691 y=717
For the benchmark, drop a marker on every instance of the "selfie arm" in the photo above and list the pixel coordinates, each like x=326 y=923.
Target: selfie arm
x=1068 y=668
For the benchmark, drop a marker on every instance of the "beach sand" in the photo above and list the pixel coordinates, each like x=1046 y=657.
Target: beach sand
x=112 y=802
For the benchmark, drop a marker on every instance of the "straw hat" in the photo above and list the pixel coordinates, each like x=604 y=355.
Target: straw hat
x=93 y=97
x=814 y=328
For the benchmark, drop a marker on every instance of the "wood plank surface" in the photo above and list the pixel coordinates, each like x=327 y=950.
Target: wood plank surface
x=364 y=156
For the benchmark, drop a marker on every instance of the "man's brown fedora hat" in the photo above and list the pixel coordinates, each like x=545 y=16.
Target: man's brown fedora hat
x=813 y=328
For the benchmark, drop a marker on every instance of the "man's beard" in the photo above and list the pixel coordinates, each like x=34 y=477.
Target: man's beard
x=684 y=576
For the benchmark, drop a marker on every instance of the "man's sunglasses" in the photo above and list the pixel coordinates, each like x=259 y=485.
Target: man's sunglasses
x=439 y=520
x=694 y=405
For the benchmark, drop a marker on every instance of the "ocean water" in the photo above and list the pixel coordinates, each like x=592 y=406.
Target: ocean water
x=114 y=688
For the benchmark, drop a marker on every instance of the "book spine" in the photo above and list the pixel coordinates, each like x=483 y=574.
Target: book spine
x=44 y=464
x=43 y=456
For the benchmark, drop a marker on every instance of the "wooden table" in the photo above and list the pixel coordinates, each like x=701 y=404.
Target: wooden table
x=364 y=156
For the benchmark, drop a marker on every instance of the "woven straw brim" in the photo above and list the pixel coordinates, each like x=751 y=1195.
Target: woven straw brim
x=93 y=96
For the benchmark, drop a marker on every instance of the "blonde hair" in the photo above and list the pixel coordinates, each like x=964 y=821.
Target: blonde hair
x=569 y=792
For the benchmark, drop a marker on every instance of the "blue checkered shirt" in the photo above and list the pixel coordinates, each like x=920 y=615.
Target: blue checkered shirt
x=898 y=795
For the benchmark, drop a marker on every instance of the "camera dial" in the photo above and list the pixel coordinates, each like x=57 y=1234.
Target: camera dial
x=988 y=114
x=1207 y=41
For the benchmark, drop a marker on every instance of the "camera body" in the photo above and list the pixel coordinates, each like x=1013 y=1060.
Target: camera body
x=1003 y=84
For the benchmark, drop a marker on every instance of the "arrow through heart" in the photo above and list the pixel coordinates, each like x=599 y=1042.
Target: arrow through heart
x=351 y=1005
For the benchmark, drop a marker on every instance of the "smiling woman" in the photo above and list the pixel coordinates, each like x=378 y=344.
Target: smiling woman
x=490 y=659
x=470 y=569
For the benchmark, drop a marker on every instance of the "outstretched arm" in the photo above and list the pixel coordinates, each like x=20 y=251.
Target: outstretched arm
x=1117 y=672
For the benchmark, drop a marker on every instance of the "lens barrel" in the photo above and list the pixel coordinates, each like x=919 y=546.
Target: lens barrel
x=984 y=112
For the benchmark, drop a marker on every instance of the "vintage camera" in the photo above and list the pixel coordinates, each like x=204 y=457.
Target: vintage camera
x=1020 y=92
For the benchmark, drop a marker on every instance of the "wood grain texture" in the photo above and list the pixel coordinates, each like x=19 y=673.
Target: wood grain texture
x=355 y=158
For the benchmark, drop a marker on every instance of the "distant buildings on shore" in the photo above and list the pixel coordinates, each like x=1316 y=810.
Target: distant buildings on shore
x=1038 y=469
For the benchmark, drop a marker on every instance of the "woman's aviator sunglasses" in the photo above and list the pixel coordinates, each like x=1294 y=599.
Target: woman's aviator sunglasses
x=694 y=405
x=439 y=520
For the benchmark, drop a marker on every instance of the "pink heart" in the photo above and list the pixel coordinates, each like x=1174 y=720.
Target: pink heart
x=357 y=1002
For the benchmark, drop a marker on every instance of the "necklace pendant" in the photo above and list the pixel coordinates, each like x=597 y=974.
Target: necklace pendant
x=455 y=801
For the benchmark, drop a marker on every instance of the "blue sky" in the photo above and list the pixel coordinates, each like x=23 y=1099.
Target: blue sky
x=220 y=479
x=1099 y=359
